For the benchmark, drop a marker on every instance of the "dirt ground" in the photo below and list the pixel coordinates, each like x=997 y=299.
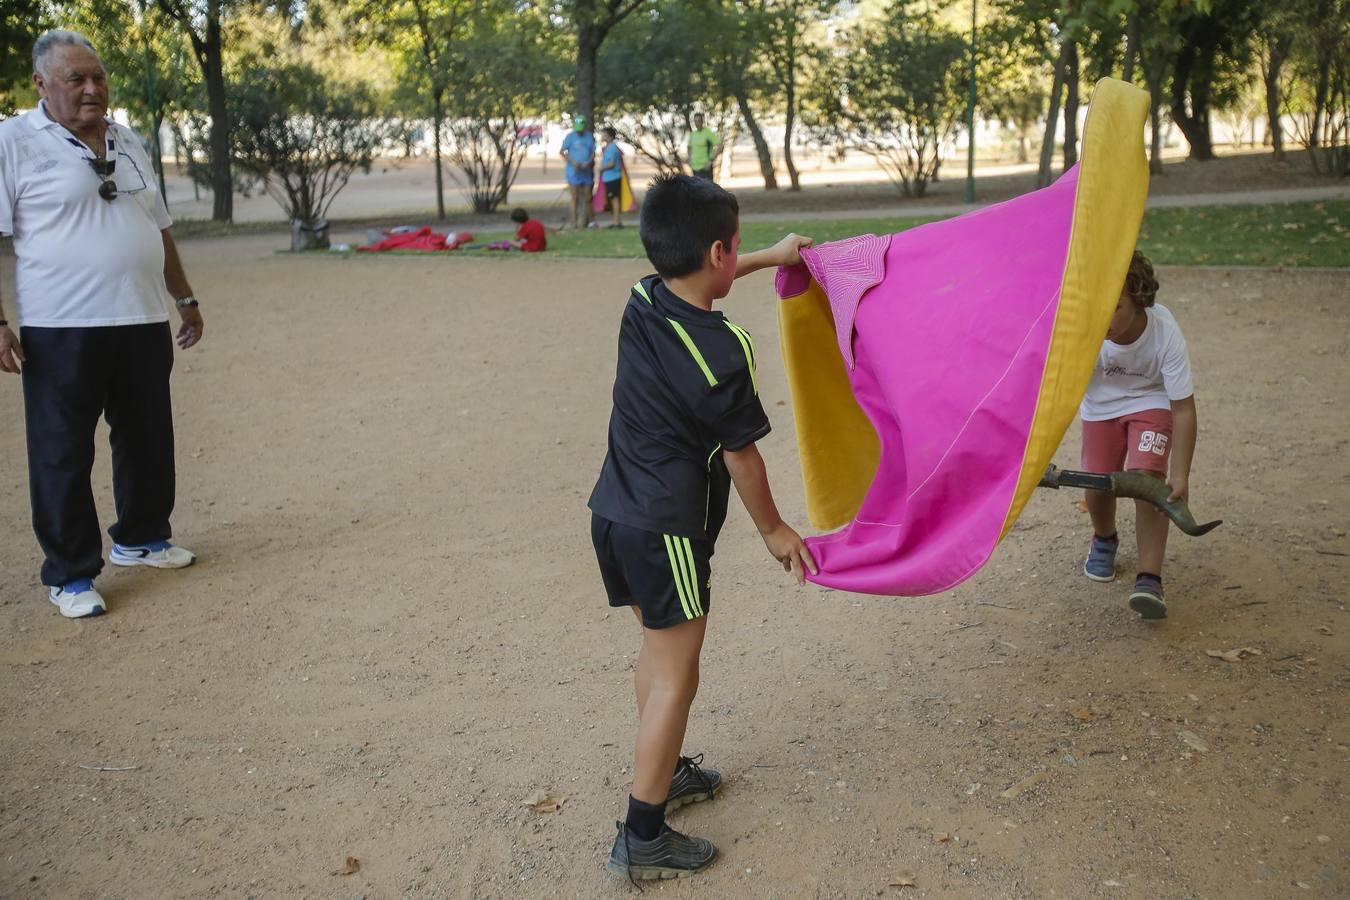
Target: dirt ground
x=396 y=636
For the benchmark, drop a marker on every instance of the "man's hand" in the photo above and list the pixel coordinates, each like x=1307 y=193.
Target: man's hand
x=190 y=332
x=1181 y=490
x=787 y=547
x=11 y=353
x=788 y=251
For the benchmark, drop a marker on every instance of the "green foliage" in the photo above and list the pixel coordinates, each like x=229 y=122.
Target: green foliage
x=302 y=135
x=21 y=21
x=657 y=69
x=898 y=94
x=506 y=65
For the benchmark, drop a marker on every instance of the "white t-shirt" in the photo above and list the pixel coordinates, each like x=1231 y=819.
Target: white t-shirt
x=82 y=261
x=1147 y=374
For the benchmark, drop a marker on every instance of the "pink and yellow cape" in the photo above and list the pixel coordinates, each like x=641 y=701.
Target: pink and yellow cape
x=626 y=203
x=934 y=372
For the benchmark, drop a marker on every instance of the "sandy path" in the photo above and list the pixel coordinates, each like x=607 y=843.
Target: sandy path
x=395 y=635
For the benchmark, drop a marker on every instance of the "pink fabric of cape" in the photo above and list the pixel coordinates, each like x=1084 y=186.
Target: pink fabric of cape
x=945 y=328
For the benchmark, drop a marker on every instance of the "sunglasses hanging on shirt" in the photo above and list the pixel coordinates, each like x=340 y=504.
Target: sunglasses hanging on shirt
x=106 y=167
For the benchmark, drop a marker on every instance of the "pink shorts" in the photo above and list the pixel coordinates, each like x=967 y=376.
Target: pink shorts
x=1141 y=440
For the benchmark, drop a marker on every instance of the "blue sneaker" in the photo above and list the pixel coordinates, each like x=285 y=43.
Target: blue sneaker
x=1147 y=598
x=1101 y=559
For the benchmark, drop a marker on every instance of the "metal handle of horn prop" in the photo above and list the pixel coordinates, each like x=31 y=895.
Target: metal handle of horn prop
x=1137 y=485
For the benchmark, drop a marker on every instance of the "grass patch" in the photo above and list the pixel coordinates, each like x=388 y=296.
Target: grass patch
x=1285 y=234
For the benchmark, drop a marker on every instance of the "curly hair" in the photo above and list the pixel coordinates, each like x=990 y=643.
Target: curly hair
x=1140 y=282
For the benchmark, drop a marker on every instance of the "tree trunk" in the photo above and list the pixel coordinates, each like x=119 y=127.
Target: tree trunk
x=1071 y=108
x=437 y=125
x=222 y=179
x=589 y=37
x=1131 y=47
x=790 y=86
x=1193 y=79
x=1052 y=119
x=1279 y=50
x=761 y=145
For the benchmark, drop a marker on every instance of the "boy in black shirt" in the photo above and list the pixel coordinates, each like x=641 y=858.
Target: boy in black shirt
x=685 y=421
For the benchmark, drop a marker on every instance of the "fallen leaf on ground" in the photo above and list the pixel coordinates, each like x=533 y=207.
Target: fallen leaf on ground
x=350 y=867
x=941 y=837
x=1324 y=629
x=1193 y=740
x=1235 y=655
x=1085 y=714
x=1025 y=784
x=904 y=879
x=542 y=802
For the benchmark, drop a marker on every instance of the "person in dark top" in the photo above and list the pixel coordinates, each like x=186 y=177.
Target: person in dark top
x=685 y=420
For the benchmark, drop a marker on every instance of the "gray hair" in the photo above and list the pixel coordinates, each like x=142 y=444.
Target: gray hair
x=50 y=40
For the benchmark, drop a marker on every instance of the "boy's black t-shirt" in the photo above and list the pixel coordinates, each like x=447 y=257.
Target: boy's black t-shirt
x=684 y=392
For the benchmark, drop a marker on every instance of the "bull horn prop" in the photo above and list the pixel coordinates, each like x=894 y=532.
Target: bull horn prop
x=1138 y=485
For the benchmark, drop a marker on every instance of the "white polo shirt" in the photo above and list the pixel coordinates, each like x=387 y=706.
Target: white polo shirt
x=82 y=261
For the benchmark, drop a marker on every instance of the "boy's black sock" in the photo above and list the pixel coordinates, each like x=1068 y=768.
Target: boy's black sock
x=645 y=819
x=1113 y=538
x=1158 y=578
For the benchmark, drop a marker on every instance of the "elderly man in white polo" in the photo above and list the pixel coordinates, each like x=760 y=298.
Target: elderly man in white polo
x=97 y=272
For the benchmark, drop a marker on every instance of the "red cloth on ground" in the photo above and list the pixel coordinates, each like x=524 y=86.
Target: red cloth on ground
x=532 y=230
x=421 y=239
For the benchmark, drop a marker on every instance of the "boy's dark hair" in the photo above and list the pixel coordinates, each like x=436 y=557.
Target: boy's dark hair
x=682 y=217
x=1140 y=282
x=519 y=215
x=610 y=133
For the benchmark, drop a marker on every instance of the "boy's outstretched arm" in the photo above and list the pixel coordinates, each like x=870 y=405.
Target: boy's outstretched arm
x=752 y=483
x=786 y=252
x=1184 y=428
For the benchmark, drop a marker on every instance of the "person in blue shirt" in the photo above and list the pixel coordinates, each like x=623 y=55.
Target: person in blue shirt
x=578 y=151
x=611 y=173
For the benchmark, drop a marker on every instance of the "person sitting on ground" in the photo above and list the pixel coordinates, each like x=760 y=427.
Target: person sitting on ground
x=611 y=173
x=531 y=236
x=1139 y=410
x=685 y=420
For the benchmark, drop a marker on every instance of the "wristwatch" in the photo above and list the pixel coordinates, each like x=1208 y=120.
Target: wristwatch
x=185 y=301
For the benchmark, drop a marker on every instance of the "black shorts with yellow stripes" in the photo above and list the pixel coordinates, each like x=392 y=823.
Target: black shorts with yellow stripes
x=668 y=578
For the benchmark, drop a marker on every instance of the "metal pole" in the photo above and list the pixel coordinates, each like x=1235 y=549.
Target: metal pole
x=970 y=113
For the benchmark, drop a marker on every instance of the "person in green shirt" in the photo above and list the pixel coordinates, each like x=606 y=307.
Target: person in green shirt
x=704 y=148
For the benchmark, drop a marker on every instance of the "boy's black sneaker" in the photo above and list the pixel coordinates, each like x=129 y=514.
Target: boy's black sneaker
x=668 y=855
x=692 y=783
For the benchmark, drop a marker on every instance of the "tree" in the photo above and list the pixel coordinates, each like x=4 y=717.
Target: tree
x=21 y=21
x=493 y=94
x=148 y=59
x=592 y=20
x=654 y=104
x=1215 y=43
x=1275 y=39
x=740 y=26
x=201 y=21
x=1322 y=78
x=426 y=37
x=1011 y=74
x=783 y=26
x=302 y=134
x=898 y=94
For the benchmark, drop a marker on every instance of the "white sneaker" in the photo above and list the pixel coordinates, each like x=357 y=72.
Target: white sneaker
x=159 y=555
x=78 y=599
